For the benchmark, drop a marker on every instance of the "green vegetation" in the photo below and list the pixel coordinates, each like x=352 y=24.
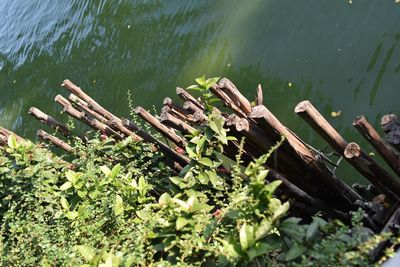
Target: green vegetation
x=118 y=204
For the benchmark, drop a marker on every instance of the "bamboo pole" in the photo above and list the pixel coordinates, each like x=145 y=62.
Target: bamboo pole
x=54 y=140
x=92 y=122
x=164 y=130
x=339 y=191
x=374 y=173
x=372 y=136
x=50 y=121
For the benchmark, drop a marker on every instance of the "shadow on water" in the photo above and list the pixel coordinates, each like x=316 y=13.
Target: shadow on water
x=345 y=60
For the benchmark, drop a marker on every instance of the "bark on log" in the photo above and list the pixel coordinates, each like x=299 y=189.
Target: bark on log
x=380 y=179
x=234 y=94
x=82 y=116
x=83 y=106
x=6 y=133
x=164 y=130
x=391 y=126
x=173 y=122
x=374 y=174
x=90 y=102
x=50 y=121
x=339 y=191
x=54 y=140
x=175 y=109
x=182 y=93
x=191 y=108
x=372 y=136
x=227 y=100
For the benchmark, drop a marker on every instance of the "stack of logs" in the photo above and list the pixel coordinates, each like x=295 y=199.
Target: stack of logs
x=305 y=172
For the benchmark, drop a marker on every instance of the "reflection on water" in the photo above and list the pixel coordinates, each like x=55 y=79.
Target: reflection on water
x=341 y=57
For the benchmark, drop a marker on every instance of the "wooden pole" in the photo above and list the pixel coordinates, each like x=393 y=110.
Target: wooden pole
x=372 y=136
x=182 y=93
x=92 y=122
x=338 y=190
x=181 y=159
x=216 y=90
x=259 y=96
x=164 y=130
x=171 y=121
x=54 y=140
x=91 y=103
x=83 y=106
x=373 y=173
x=50 y=121
x=356 y=156
x=234 y=94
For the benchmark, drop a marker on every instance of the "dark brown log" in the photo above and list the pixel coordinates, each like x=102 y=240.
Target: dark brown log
x=338 y=190
x=234 y=94
x=90 y=102
x=181 y=159
x=259 y=96
x=176 y=113
x=372 y=136
x=176 y=110
x=391 y=126
x=164 y=130
x=50 y=121
x=376 y=174
x=182 y=93
x=54 y=140
x=92 y=122
x=173 y=122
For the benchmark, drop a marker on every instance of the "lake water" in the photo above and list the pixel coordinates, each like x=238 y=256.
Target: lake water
x=338 y=55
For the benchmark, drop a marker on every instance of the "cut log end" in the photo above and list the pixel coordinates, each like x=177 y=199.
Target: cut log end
x=353 y=150
x=358 y=120
x=302 y=106
x=138 y=110
x=167 y=101
x=388 y=121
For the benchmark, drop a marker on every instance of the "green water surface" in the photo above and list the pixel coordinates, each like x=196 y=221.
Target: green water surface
x=339 y=56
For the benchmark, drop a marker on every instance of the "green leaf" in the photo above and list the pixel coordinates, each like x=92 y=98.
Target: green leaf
x=295 y=251
x=260 y=248
x=12 y=141
x=228 y=248
x=105 y=170
x=86 y=252
x=201 y=81
x=206 y=162
x=263 y=229
x=190 y=152
x=119 y=205
x=214 y=127
x=292 y=229
x=181 y=222
x=312 y=231
x=72 y=215
x=115 y=171
x=64 y=203
x=246 y=236
x=280 y=211
x=200 y=145
x=215 y=180
x=65 y=186
x=211 y=81
x=164 y=199
x=71 y=176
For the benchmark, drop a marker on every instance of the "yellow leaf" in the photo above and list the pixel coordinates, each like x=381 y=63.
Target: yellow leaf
x=336 y=113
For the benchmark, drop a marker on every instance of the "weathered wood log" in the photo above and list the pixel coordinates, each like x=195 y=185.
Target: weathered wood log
x=259 y=97
x=199 y=116
x=50 y=121
x=182 y=93
x=391 y=126
x=372 y=136
x=54 y=140
x=91 y=103
x=234 y=94
x=5 y=133
x=381 y=180
x=164 y=130
x=374 y=174
x=90 y=121
x=176 y=110
x=173 y=122
x=226 y=100
x=83 y=106
x=190 y=107
x=339 y=194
